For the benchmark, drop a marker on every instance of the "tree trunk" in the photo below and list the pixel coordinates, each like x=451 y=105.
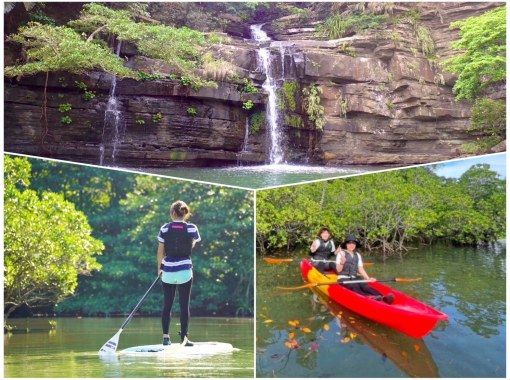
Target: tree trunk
x=9 y=311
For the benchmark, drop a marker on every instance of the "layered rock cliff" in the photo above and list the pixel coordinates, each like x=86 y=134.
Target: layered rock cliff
x=385 y=100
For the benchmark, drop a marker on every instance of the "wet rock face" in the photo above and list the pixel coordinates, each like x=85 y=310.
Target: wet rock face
x=163 y=123
x=384 y=101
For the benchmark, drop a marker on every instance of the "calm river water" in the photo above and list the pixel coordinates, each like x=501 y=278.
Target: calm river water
x=255 y=177
x=465 y=283
x=71 y=349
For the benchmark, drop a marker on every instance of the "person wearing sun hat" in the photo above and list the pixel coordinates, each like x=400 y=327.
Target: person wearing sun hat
x=349 y=265
x=322 y=251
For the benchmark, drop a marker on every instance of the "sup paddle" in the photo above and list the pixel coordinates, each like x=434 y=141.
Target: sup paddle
x=110 y=346
x=314 y=284
x=276 y=260
x=333 y=261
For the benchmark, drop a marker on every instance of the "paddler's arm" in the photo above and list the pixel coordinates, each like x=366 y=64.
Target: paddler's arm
x=195 y=235
x=314 y=246
x=340 y=260
x=159 y=256
x=364 y=274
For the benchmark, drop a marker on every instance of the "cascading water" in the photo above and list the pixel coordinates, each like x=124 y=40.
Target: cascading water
x=270 y=85
x=112 y=120
x=245 y=142
x=246 y=135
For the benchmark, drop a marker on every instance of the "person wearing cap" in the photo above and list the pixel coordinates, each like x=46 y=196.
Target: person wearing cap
x=349 y=265
x=322 y=251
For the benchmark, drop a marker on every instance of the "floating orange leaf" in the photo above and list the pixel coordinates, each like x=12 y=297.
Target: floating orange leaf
x=294 y=323
x=292 y=335
x=306 y=330
x=326 y=327
x=268 y=321
x=353 y=335
x=345 y=340
x=292 y=344
x=417 y=347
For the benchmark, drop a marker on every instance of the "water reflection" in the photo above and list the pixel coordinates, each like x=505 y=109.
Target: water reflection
x=72 y=350
x=468 y=284
x=410 y=355
x=253 y=177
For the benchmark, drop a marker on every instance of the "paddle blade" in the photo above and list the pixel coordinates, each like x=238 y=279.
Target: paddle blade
x=274 y=260
x=307 y=286
x=399 y=279
x=110 y=347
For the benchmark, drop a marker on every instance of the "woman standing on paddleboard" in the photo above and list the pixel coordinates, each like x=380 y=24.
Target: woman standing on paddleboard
x=176 y=241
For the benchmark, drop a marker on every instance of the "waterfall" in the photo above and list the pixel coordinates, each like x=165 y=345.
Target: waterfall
x=112 y=120
x=245 y=142
x=271 y=86
x=246 y=135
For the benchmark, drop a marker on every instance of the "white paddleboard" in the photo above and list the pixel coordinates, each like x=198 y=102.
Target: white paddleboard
x=176 y=349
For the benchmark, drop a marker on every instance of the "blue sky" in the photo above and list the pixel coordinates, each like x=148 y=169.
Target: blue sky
x=455 y=169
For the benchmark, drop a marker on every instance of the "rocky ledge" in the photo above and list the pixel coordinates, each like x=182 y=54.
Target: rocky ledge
x=385 y=102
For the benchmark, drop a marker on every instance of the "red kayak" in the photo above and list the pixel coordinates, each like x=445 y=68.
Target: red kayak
x=405 y=314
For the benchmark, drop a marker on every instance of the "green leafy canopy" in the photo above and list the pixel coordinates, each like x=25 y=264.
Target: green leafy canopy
x=47 y=241
x=60 y=48
x=481 y=60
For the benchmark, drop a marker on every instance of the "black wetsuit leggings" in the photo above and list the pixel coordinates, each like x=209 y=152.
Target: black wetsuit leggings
x=363 y=289
x=184 y=297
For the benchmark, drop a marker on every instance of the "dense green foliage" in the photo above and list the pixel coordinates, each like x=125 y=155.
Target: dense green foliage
x=47 y=242
x=181 y=48
x=338 y=25
x=126 y=212
x=247 y=86
x=81 y=45
x=295 y=121
x=287 y=96
x=481 y=60
x=312 y=106
x=488 y=123
x=257 y=121
x=60 y=48
x=387 y=211
x=248 y=105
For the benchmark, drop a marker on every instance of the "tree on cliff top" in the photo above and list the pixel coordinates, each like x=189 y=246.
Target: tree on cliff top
x=181 y=48
x=59 y=48
x=482 y=57
x=80 y=46
x=47 y=242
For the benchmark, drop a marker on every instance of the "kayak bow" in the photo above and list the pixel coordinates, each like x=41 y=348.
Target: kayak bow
x=405 y=314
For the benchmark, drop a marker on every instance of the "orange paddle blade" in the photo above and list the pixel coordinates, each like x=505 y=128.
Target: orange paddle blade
x=307 y=286
x=400 y=279
x=274 y=260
